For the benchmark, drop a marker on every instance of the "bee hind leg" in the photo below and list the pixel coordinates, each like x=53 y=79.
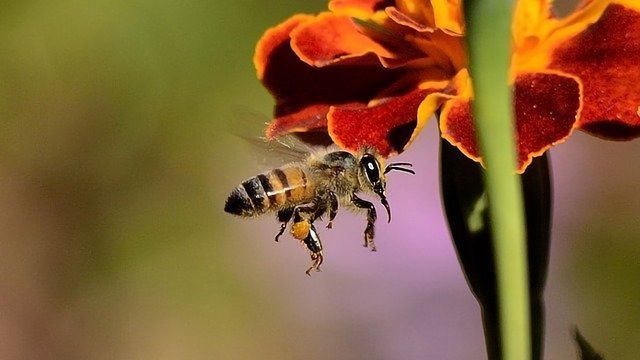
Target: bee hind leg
x=314 y=245
x=303 y=230
x=369 y=231
x=284 y=216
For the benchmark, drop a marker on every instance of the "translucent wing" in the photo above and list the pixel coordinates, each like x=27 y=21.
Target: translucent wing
x=268 y=153
x=273 y=153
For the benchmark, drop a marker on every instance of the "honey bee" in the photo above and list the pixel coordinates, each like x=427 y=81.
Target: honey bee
x=302 y=191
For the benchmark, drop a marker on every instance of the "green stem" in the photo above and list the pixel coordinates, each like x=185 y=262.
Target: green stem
x=488 y=26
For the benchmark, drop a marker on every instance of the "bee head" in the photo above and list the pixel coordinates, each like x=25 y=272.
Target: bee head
x=373 y=175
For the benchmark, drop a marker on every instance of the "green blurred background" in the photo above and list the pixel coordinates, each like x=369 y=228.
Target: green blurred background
x=115 y=160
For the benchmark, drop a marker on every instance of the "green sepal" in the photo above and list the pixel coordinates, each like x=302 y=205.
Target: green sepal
x=465 y=204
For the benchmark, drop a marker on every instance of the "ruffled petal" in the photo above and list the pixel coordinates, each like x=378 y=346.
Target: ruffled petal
x=420 y=11
x=606 y=57
x=528 y=17
x=448 y=16
x=273 y=39
x=431 y=103
x=546 y=108
x=426 y=16
x=305 y=93
x=438 y=93
x=329 y=38
x=309 y=118
x=403 y=19
x=456 y=126
x=386 y=126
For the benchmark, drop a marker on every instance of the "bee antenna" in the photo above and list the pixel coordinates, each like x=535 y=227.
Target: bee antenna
x=397 y=168
x=402 y=164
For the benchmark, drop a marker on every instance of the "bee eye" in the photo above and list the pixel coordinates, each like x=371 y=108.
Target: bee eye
x=371 y=168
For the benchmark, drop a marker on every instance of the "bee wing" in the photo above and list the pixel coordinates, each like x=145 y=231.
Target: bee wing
x=273 y=153
x=268 y=153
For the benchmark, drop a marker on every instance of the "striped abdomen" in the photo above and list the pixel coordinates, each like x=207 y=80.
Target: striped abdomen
x=270 y=191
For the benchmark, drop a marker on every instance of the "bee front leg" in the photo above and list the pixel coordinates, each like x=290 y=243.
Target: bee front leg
x=333 y=208
x=284 y=216
x=369 y=231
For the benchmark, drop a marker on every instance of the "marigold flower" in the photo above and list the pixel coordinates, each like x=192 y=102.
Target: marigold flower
x=372 y=72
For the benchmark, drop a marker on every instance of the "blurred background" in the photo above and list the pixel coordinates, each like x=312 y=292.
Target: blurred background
x=116 y=159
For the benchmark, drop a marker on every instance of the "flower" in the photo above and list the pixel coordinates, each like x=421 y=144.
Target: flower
x=372 y=72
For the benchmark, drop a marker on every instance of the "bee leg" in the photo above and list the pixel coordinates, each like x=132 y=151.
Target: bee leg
x=303 y=230
x=284 y=216
x=369 y=231
x=314 y=245
x=312 y=211
x=303 y=217
x=333 y=208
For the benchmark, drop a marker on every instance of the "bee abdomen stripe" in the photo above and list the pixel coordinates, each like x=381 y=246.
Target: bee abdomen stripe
x=238 y=203
x=266 y=186
x=284 y=181
x=297 y=182
x=256 y=193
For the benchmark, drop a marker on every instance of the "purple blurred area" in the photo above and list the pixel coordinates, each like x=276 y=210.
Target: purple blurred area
x=116 y=157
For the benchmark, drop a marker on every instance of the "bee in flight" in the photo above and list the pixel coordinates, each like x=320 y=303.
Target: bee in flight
x=302 y=191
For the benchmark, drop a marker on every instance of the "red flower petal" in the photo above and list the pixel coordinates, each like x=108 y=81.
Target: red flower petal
x=273 y=39
x=606 y=58
x=546 y=109
x=456 y=125
x=387 y=126
x=303 y=92
x=310 y=118
x=329 y=38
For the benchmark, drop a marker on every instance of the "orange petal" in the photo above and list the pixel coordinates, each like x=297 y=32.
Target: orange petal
x=606 y=58
x=329 y=38
x=387 y=126
x=448 y=16
x=404 y=19
x=546 y=107
x=358 y=8
x=425 y=15
x=528 y=18
x=439 y=92
x=420 y=11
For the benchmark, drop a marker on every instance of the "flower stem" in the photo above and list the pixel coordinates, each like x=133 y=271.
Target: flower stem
x=488 y=26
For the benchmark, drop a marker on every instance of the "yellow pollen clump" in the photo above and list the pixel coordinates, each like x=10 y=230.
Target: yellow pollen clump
x=300 y=230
